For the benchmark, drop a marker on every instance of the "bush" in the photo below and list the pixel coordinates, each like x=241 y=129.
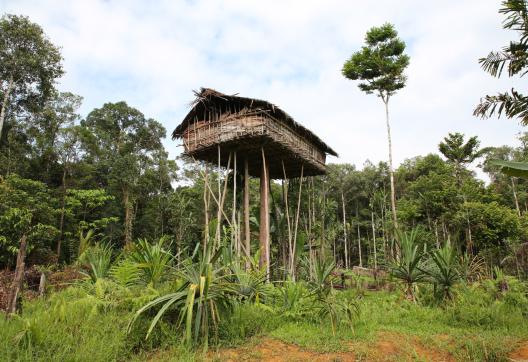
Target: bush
x=248 y=320
x=478 y=305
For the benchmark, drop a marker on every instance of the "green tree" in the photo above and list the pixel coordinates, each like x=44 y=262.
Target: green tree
x=29 y=65
x=120 y=142
x=380 y=65
x=513 y=58
x=460 y=154
x=26 y=208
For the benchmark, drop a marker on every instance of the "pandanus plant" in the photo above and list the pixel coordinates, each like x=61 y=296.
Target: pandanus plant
x=408 y=267
x=199 y=302
x=151 y=259
x=445 y=271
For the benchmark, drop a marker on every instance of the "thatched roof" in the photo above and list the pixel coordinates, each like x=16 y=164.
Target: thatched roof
x=209 y=99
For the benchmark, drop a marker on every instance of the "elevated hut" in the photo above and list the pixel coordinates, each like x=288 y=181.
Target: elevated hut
x=228 y=130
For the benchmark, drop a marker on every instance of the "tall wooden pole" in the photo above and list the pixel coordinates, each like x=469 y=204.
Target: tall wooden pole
x=234 y=227
x=247 y=231
x=264 y=232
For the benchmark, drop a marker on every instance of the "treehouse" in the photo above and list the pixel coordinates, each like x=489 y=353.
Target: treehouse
x=263 y=140
x=250 y=127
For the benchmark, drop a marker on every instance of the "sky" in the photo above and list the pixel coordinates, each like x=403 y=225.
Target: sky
x=152 y=54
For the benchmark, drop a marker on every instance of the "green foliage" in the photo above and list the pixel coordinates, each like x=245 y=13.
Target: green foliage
x=126 y=272
x=295 y=301
x=322 y=271
x=97 y=259
x=380 y=63
x=445 y=272
x=203 y=297
x=512 y=58
x=456 y=151
x=152 y=259
x=26 y=207
x=30 y=64
x=491 y=223
x=408 y=267
x=250 y=286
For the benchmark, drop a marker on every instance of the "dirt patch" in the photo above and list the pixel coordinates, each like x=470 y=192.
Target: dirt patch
x=520 y=354
x=391 y=346
x=272 y=350
x=387 y=347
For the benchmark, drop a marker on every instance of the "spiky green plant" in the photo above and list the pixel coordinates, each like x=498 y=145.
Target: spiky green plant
x=97 y=260
x=85 y=240
x=249 y=285
x=338 y=310
x=204 y=296
x=444 y=273
x=408 y=267
x=152 y=259
x=322 y=271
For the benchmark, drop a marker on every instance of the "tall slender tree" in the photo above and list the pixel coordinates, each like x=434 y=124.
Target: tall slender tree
x=461 y=154
x=380 y=65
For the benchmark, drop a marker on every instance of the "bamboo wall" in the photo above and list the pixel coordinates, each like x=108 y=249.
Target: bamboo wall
x=245 y=128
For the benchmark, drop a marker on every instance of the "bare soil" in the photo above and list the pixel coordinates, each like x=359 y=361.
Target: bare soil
x=387 y=347
x=520 y=354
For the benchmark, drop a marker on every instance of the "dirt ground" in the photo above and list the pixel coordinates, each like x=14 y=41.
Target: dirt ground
x=520 y=354
x=387 y=347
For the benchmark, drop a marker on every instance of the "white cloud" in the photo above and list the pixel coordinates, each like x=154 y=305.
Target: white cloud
x=152 y=54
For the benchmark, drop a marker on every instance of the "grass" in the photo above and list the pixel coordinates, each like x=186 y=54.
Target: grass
x=89 y=321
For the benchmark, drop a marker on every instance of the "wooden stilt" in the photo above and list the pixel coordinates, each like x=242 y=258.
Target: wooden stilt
x=296 y=226
x=247 y=231
x=287 y=207
x=234 y=232
x=264 y=233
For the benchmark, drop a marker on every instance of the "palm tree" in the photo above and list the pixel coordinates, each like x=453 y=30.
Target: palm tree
x=512 y=58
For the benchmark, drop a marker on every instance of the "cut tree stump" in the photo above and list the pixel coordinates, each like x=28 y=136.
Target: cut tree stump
x=18 y=280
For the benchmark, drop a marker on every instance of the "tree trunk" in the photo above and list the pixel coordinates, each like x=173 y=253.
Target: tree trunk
x=374 y=241
x=63 y=211
x=359 y=240
x=247 y=231
x=42 y=285
x=264 y=232
x=515 y=197
x=323 y=211
x=18 y=280
x=391 y=170
x=206 y=210
x=344 y=228
x=128 y=216
x=5 y=101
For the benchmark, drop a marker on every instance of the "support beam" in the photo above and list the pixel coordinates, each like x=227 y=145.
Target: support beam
x=264 y=232
x=247 y=231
